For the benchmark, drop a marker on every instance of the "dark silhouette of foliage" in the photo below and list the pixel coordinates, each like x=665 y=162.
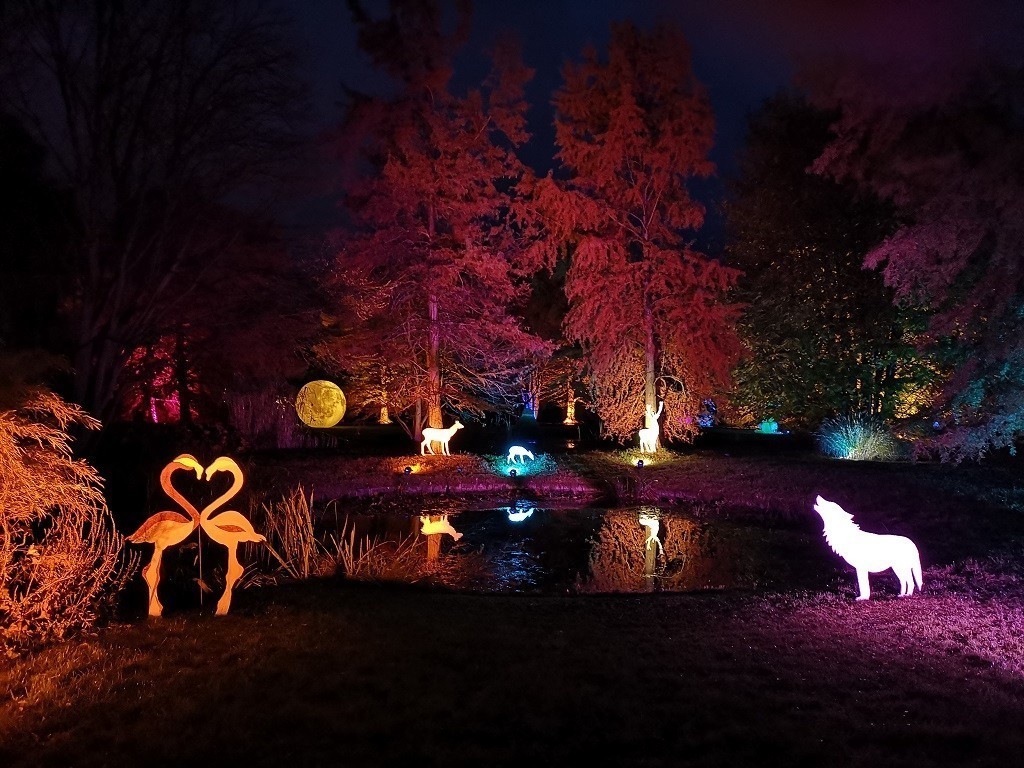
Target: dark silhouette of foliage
x=823 y=335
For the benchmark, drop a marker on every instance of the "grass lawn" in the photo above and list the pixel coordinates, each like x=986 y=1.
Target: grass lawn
x=334 y=673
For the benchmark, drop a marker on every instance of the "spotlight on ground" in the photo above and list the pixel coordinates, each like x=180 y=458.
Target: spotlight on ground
x=512 y=473
x=639 y=463
x=408 y=470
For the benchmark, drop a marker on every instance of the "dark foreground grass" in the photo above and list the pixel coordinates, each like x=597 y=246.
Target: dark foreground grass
x=333 y=674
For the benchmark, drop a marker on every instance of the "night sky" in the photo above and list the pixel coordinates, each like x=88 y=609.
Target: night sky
x=743 y=52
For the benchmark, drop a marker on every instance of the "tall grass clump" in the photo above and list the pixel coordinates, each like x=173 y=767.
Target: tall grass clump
x=291 y=539
x=61 y=559
x=858 y=437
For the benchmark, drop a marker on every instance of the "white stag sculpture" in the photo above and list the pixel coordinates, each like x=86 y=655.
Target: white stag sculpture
x=649 y=435
x=442 y=436
x=870 y=552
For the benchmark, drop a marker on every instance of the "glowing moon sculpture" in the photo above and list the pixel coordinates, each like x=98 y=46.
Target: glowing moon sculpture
x=870 y=552
x=320 y=404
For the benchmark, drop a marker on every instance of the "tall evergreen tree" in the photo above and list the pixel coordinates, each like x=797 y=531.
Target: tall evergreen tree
x=431 y=250
x=631 y=130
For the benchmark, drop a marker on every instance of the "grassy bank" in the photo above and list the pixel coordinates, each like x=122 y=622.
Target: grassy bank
x=329 y=672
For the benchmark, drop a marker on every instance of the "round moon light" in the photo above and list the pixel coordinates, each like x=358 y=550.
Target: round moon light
x=320 y=404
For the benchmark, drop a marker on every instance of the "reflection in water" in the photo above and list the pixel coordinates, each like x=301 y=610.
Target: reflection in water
x=432 y=524
x=525 y=547
x=521 y=511
x=434 y=527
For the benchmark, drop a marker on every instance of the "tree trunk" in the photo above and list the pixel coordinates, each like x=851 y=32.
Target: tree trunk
x=385 y=416
x=417 y=421
x=570 y=405
x=434 y=418
x=650 y=387
x=181 y=379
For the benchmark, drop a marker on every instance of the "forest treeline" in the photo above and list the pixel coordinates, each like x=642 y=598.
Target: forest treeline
x=871 y=264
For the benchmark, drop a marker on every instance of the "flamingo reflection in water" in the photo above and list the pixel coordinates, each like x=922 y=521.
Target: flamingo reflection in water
x=168 y=528
x=229 y=528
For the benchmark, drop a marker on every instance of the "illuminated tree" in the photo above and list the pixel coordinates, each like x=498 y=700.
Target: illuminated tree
x=647 y=308
x=430 y=245
x=823 y=335
x=59 y=552
x=151 y=113
x=946 y=150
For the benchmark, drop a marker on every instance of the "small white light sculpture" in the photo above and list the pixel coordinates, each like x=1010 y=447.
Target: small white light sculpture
x=518 y=517
x=518 y=454
x=442 y=436
x=649 y=435
x=870 y=552
x=431 y=527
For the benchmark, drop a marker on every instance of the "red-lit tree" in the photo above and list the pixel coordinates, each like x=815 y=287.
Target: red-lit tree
x=647 y=307
x=430 y=248
x=946 y=149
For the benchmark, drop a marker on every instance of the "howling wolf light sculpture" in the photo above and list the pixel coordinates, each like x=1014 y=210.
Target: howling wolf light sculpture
x=869 y=552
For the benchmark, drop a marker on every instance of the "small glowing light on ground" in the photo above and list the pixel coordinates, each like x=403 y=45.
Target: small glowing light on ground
x=408 y=470
x=639 y=463
x=512 y=473
x=869 y=552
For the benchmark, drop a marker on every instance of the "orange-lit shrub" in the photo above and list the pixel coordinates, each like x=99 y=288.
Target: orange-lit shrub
x=59 y=552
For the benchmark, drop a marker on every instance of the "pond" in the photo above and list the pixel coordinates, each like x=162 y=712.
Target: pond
x=534 y=546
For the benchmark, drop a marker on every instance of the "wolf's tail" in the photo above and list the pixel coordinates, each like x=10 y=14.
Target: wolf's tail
x=915 y=569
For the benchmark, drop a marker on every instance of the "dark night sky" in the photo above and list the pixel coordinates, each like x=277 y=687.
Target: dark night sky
x=743 y=50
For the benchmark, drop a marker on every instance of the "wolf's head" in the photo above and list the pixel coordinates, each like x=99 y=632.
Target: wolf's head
x=831 y=513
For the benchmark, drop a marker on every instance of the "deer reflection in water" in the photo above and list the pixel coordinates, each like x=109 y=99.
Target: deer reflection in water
x=434 y=527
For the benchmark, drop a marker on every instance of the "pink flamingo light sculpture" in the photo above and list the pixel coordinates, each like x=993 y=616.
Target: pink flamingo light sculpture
x=229 y=528
x=167 y=528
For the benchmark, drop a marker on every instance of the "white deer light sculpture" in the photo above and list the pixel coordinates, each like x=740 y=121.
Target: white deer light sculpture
x=870 y=552
x=649 y=435
x=442 y=436
x=518 y=454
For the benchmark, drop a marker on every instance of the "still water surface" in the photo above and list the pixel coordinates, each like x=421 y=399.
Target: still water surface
x=531 y=546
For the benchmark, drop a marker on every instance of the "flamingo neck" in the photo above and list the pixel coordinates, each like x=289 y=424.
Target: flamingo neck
x=172 y=492
x=223 y=499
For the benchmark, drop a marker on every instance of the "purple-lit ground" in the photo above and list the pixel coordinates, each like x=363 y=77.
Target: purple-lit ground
x=364 y=676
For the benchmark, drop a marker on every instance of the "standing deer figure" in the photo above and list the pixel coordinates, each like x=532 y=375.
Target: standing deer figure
x=442 y=436
x=649 y=435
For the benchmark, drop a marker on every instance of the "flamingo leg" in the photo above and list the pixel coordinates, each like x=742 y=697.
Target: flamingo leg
x=151 y=575
x=234 y=573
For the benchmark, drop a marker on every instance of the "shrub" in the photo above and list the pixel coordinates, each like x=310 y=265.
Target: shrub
x=60 y=560
x=858 y=437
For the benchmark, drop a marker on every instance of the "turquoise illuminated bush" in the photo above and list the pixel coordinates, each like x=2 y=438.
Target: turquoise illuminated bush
x=859 y=438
